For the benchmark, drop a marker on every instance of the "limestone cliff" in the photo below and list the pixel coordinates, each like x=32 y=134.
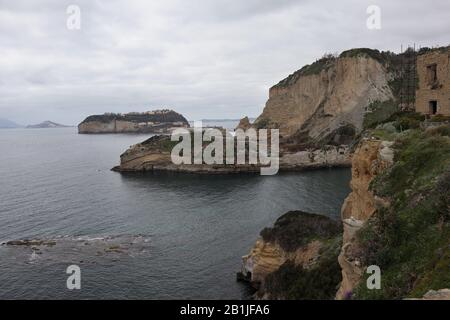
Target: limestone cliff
x=332 y=93
x=397 y=216
x=370 y=158
x=296 y=250
x=157 y=121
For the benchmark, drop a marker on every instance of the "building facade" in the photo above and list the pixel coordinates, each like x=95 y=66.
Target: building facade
x=433 y=92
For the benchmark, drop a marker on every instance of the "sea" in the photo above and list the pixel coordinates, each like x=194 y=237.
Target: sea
x=135 y=236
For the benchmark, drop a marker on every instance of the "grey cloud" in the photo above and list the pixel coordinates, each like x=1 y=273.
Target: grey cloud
x=204 y=58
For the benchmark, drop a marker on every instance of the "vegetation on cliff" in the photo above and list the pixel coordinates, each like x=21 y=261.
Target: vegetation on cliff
x=381 y=56
x=379 y=112
x=295 y=282
x=310 y=69
x=160 y=143
x=297 y=228
x=410 y=238
x=153 y=116
x=327 y=60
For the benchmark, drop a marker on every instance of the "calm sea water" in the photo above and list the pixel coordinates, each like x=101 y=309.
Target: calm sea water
x=134 y=236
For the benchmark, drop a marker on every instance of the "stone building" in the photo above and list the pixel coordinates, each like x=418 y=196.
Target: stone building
x=433 y=92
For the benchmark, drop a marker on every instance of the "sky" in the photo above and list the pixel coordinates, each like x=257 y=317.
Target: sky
x=207 y=59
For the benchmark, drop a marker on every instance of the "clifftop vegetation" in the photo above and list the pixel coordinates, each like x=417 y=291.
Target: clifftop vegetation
x=315 y=68
x=154 y=116
x=383 y=57
x=296 y=228
x=409 y=239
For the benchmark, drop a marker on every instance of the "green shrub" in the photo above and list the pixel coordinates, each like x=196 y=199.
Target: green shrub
x=440 y=118
x=406 y=120
x=409 y=240
x=379 y=112
x=441 y=131
x=262 y=123
x=297 y=228
x=381 y=57
x=318 y=282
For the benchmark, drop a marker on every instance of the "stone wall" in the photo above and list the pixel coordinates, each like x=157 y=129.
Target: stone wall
x=430 y=90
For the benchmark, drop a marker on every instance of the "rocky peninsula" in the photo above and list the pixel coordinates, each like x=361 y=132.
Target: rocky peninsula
x=157 y=121
x=154 y=154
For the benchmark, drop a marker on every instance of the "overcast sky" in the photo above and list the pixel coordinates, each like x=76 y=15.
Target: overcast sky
x=203 y=58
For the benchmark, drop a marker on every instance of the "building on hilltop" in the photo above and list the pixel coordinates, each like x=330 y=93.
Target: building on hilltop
x=433 y=91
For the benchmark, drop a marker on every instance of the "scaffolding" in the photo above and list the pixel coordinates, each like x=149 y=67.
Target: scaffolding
x=408 y=78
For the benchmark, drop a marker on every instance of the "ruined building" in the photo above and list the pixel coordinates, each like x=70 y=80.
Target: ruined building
x=433 y=91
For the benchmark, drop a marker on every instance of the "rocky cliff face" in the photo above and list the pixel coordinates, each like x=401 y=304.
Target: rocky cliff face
x=154 y=154
x=370 y=158
x=397 y=215
x=158 y=121
x=296 y=250
x=332 y=93
x=244 y=124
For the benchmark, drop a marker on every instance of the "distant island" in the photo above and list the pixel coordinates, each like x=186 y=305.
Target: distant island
x=46 y=124
x=8 y=124
x=226 y=120
x=156 y=121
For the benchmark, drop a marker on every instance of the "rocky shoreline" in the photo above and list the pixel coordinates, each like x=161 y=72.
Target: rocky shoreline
x=382 y=208
x=154 y=155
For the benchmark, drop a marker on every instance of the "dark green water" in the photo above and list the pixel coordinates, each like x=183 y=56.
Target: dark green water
x=135 y=236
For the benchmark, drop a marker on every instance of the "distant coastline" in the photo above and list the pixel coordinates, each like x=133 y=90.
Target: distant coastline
x=8 y=124
x=46 y=124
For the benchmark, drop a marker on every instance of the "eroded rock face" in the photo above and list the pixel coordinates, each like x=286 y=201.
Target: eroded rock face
x=323 y=101
x=155 y=154
x=370 y=158
x=267 y=257
x=244 y=124
x=331 y=156
x=297 y=240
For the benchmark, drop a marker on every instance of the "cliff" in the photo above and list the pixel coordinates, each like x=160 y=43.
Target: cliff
x=292 y=259
x=326 y=101
x=158 y=121
x=154 y=154
x=370 y=158
x=397 y=216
